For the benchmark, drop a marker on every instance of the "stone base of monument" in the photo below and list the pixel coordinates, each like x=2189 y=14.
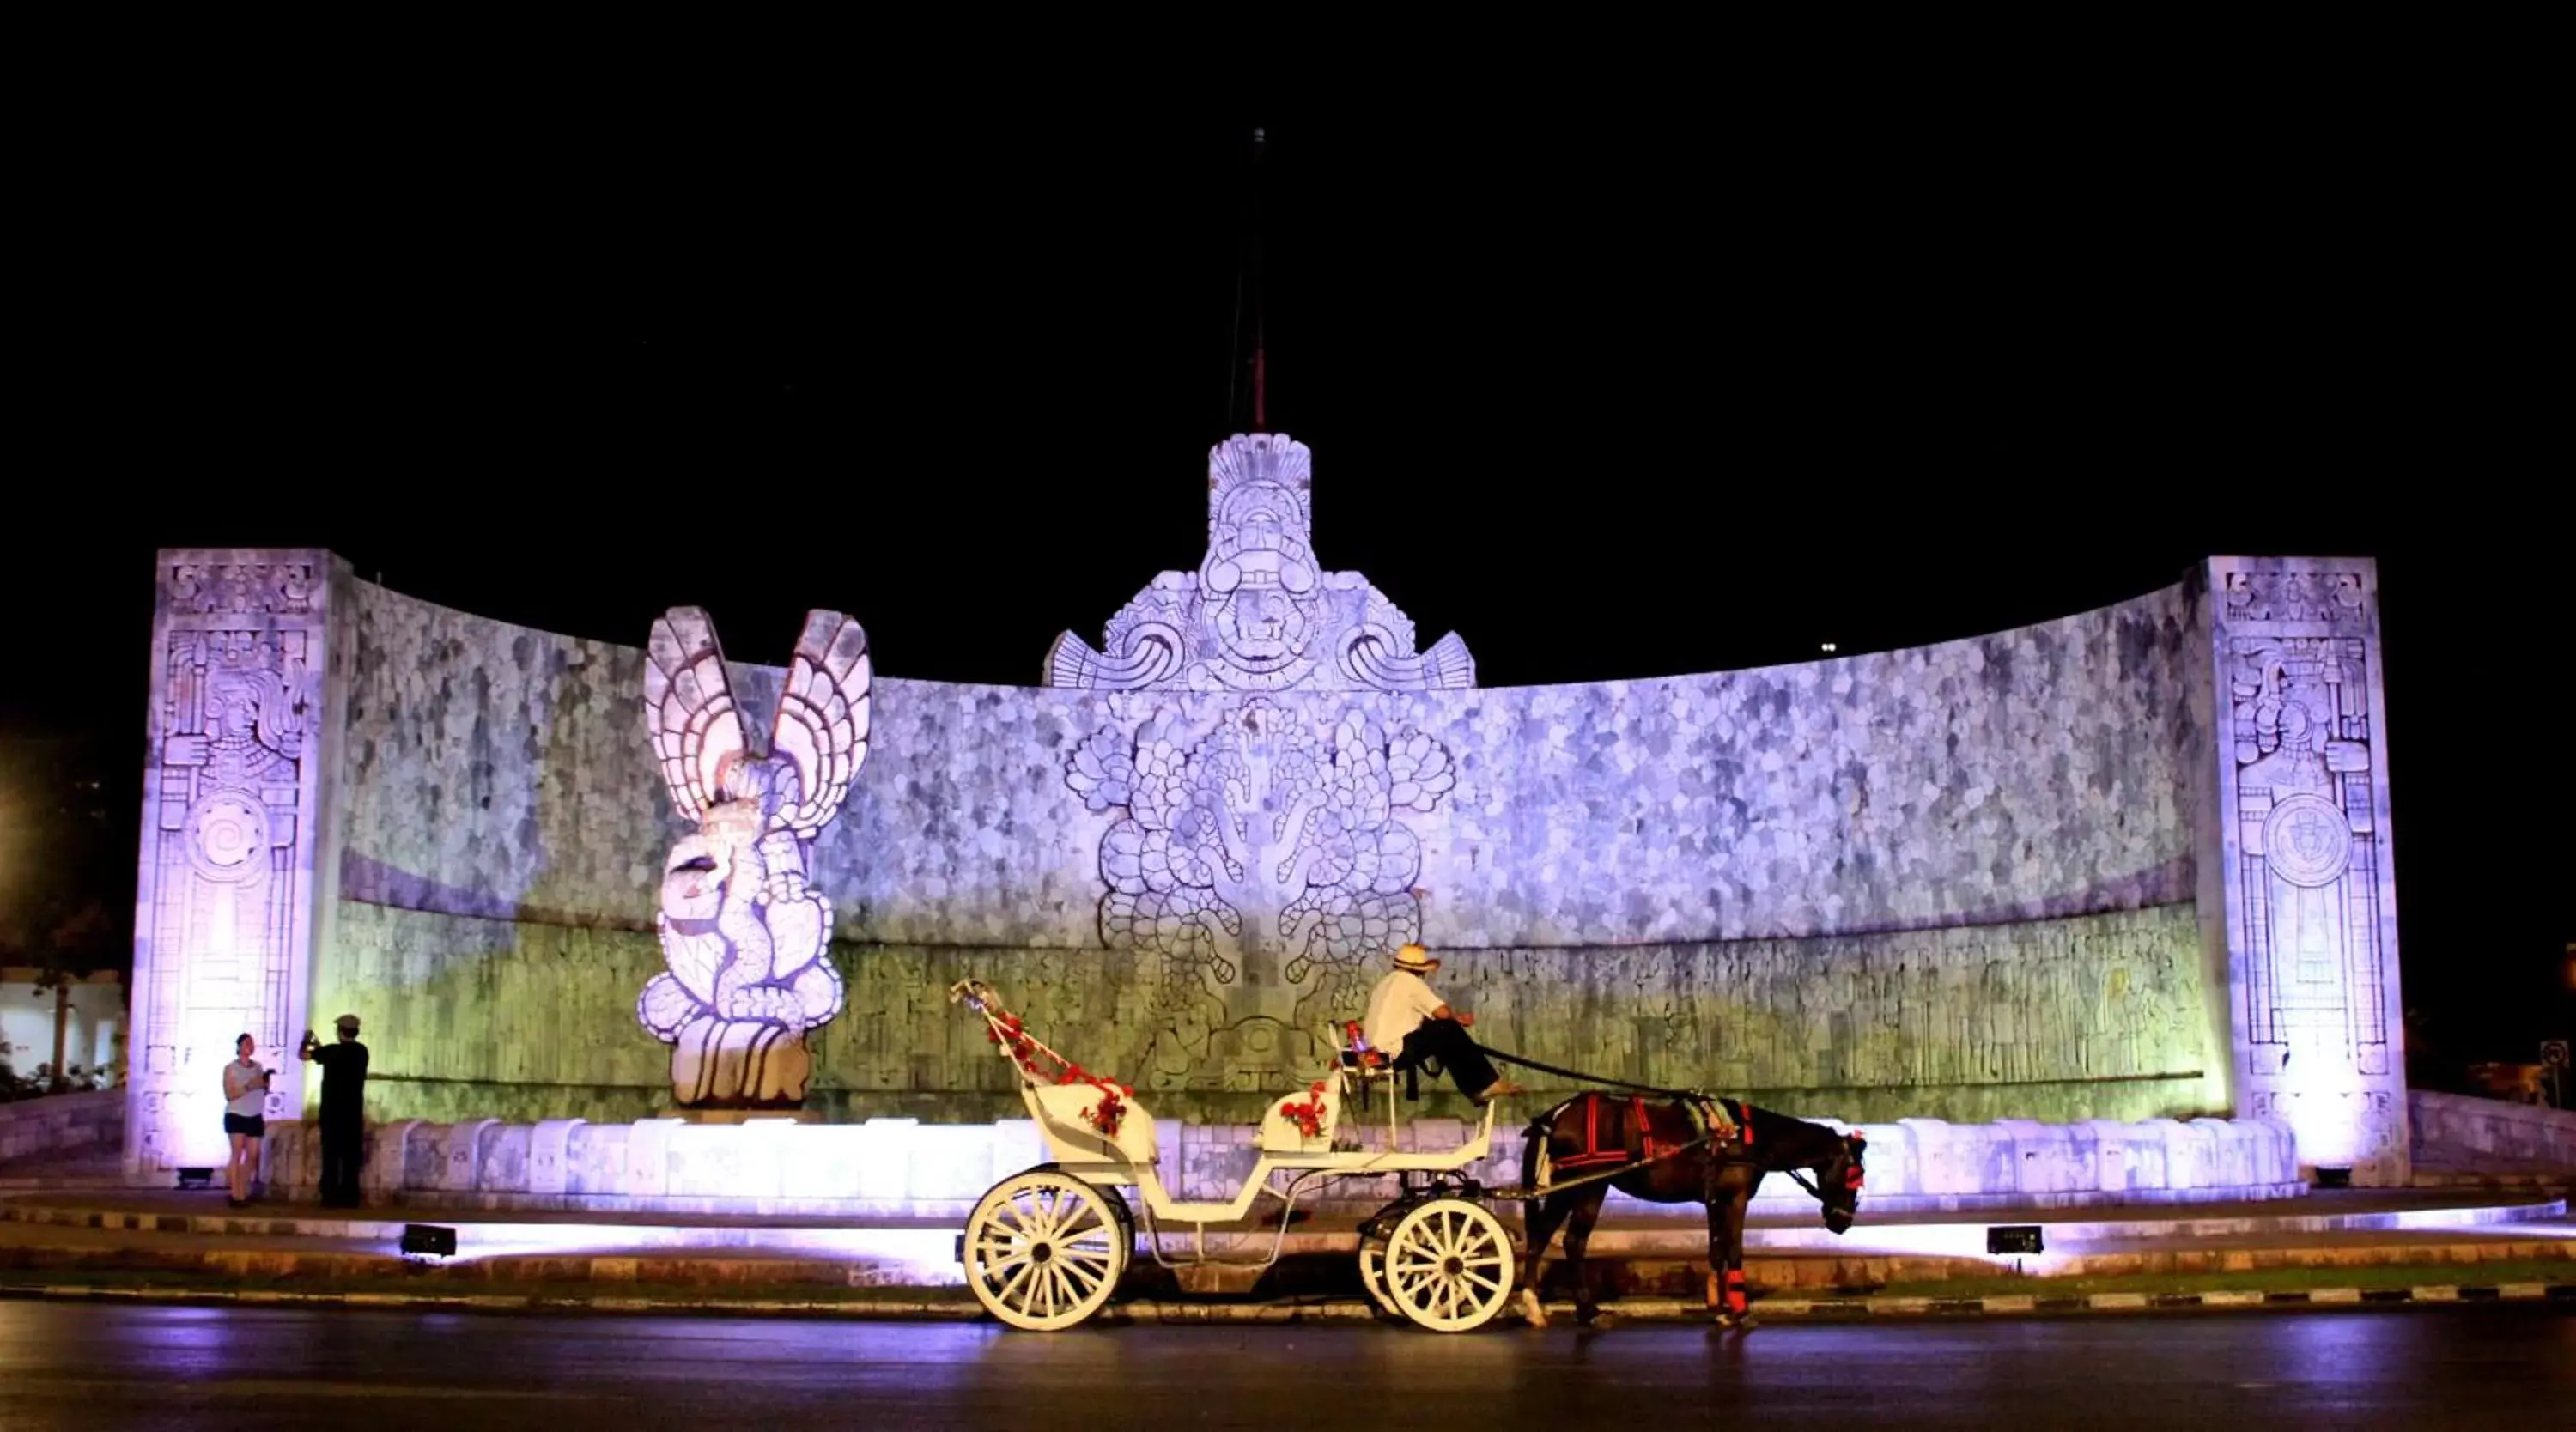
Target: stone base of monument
x=903 y=1168
x=739 y=1064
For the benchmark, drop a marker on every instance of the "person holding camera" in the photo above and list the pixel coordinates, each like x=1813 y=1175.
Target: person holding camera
x=245 y=1097
x=344 y=1105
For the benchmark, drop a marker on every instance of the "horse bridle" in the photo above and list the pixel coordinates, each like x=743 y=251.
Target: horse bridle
x=1851 y=1180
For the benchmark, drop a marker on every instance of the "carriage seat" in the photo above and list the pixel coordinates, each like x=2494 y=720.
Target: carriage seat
x=1367 y=1065
x=1359 y=1058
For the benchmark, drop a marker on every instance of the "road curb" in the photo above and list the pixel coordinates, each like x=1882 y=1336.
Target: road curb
x=1160 y=1312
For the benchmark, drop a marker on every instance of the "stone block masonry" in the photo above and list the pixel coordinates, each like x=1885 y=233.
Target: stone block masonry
x=2128 y=864
x=1965 y=868
x=61 y=1124
x=905 y=1168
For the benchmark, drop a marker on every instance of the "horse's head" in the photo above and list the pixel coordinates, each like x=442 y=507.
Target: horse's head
x=1838 y=1181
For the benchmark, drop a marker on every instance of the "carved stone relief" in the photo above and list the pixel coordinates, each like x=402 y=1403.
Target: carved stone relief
x=225 y=884
x=1260 y=613
x=2311 y=937
x=747 y=941
x=1267 y=865
x=2302 y=748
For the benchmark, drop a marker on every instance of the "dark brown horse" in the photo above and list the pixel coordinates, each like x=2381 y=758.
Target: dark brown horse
x=1657 y=1144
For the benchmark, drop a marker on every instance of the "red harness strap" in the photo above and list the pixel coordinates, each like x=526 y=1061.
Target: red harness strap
x=1641 y=1133
x=1593 y=1152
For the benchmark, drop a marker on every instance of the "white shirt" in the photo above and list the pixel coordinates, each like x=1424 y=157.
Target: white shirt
x=1396 y=1008
x=244 y=1076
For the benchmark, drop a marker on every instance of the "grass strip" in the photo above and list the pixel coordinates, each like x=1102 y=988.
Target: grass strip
x=2262 y=1280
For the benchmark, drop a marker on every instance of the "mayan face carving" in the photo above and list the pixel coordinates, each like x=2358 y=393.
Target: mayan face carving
x=1260 y=614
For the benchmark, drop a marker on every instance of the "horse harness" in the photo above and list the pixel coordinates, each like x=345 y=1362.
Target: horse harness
x=1721 y=1123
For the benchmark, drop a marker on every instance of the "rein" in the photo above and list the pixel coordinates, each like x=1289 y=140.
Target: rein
x=1501 y=1058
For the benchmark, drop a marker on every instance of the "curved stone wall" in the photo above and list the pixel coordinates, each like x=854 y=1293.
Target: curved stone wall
x=1954 y=881
x=501 y=772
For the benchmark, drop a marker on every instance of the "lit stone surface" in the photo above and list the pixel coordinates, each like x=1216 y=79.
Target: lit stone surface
x=239 y=749
x=742 y=929
x=1756 y=854
x=905 y=1168
x=2093 y=1016
x=498 y=771
x=1260 y=613
x=2311 y=895
x=1962 y=882
x=2464 y=1132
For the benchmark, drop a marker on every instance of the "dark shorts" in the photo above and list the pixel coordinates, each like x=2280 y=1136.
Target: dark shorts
x=251 y=1124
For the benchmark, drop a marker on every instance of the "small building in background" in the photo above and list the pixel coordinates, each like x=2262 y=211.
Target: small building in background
x=93 y=1040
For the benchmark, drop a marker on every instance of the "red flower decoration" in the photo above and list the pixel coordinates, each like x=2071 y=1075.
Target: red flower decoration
x=1308 y=1116
x=1004 y=1028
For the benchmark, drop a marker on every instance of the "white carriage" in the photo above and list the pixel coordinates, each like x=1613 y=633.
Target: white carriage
x=1046 y=1248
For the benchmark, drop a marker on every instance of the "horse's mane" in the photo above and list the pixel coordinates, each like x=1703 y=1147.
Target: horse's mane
x=1777 y=1130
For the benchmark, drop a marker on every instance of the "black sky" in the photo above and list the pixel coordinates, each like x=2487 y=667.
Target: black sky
x=1610 y=394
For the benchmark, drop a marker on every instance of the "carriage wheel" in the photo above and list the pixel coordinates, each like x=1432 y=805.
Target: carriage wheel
x=1449 y=1265
x=1043 y=1250
x=1373 y=1275
x=1126 y=1224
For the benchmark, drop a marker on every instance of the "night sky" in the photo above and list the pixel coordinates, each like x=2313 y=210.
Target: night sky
x=1608 y=397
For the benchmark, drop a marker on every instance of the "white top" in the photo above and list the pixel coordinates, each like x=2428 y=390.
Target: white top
x=1396 y=1008
x=244 y=1092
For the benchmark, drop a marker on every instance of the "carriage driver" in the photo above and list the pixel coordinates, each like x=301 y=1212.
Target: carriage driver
x=1407 y=1019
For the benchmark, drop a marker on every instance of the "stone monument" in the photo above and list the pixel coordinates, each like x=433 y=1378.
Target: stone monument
x=1260 y=614
x=2310 y=898
x=747 y=941
x=241 y=747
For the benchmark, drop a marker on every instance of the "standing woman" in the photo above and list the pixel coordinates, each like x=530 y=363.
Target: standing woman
x=245 y=1094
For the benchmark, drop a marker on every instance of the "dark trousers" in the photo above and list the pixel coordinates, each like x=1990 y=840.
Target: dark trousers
x=1447 y=1041
x=343 y=1149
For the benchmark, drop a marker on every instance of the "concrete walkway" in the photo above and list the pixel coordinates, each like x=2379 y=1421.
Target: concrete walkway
x=68 y=1231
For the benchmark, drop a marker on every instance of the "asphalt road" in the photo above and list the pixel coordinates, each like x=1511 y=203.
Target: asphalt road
x=132 y=1367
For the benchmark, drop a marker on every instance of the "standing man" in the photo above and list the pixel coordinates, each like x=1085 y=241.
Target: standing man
x=1408 y=1019
x=344 y=1103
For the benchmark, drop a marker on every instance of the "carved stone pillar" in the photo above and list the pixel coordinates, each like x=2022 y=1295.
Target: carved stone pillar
x=238 y=739
x=2302 y=849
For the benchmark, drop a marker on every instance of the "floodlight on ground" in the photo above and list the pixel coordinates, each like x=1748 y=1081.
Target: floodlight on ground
x=2015 y=1239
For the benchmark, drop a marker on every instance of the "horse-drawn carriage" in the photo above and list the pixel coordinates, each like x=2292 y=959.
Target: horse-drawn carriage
x=1045 y=1248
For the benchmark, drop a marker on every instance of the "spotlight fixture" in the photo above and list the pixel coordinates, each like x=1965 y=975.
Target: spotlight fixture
x=1829 y=646
x=427 y=1239
x=2015 y=1238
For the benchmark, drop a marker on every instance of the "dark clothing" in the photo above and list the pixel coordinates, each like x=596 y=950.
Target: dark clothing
x=344 y=1082
x=342 y=1151
x=251 y=1124
x=1447 y=1041
x=344 y=1106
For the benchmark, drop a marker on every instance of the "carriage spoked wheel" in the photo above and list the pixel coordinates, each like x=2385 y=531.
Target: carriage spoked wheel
x=1373 y=1276
x=1449 y=1265
x=1044 y=1250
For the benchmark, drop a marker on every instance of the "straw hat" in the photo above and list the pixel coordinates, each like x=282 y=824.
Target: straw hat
x=1415 y=959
